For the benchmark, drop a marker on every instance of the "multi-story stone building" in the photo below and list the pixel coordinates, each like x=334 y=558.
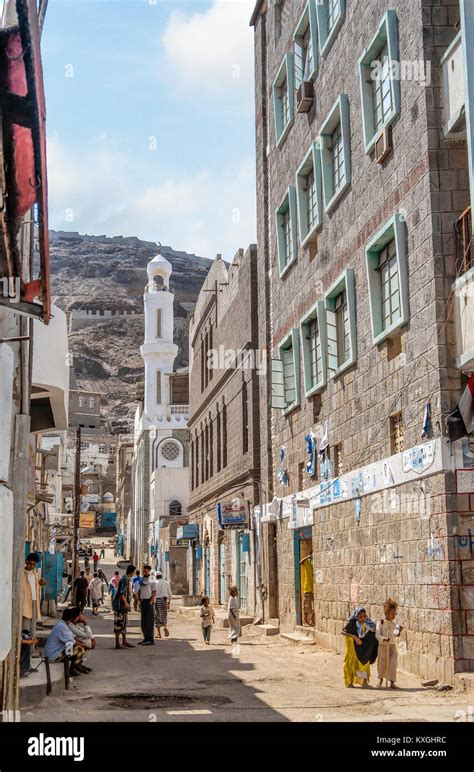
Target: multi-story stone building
x=84 y=409
x=224 y=432
x=363 y=115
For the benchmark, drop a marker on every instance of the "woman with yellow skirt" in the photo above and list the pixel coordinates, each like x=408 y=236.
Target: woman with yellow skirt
x=361 y=648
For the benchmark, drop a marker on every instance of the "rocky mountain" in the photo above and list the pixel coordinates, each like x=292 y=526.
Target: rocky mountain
x=99 y=282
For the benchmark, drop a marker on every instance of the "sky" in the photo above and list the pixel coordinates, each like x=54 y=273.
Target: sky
x=150 y=121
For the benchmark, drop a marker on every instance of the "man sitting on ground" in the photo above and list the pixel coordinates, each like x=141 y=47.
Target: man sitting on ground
x=62 y=643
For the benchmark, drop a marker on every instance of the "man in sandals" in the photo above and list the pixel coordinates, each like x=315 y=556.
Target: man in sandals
x=121 y=607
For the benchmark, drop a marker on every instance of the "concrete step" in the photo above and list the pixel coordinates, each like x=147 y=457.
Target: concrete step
x=194 y=613
x=307 y=632
x=268 y=629
x=298 y=639
x=33 y=687
x=274 y=622
x=465 y=681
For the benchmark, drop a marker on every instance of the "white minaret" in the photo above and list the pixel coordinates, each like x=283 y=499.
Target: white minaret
x=158 y=350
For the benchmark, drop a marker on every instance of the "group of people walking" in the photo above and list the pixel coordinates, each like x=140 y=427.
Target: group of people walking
x=367 y=642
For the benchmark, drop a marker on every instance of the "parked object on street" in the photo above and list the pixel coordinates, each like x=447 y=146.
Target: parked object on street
x=207 y=619
x=162 y=604
x=361 y=648
x=233 y=615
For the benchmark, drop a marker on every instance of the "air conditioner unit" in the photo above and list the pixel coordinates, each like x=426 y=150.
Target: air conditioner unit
x=383 y=145
x=305 y=96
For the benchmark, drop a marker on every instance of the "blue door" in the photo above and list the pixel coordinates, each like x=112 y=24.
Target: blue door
x=241 y=561
x=222 y=576
x=207 y=572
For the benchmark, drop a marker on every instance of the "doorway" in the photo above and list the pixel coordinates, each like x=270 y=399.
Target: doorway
x=222 y=575
x=241 y=561
x=304 y=580
x=207 y=572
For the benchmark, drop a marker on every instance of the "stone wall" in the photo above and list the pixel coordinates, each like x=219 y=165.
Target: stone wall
x=425 y=180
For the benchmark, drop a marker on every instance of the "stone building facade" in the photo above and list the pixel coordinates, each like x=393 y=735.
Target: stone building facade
x=224 y=436
x=358 y=191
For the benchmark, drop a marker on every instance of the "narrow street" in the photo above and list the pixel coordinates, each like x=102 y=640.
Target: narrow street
x=182 y=679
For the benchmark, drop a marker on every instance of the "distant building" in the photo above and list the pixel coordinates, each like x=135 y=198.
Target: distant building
x=224 y=432
x=160 y=472
x=84 y=409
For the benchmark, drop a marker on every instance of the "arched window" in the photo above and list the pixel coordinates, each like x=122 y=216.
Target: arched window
x=175 y=508
x=158 y=280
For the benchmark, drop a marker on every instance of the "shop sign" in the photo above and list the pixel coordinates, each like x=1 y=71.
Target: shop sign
x=232 y=515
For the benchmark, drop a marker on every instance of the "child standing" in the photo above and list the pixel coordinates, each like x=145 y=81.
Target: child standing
x=207 y=619
x=387 y=635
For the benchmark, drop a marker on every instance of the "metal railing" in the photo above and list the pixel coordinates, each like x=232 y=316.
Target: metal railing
x=463 y=242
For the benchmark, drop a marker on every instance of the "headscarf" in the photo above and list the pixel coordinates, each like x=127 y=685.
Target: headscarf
x=362 y=629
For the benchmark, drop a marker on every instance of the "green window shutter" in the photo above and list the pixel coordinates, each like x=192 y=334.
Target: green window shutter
x=326 y=35
x=338 y=116
x=386 y=34
x=317 y=313
x=335 y=345
x=394 y=228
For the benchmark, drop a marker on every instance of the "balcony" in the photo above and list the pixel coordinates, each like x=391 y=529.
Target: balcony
x=464 y=293
x=50 y=376
x=452 y=88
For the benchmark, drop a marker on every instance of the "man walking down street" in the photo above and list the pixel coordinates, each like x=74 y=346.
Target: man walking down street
x=121 y=607
x=81 y=586
x=147 y=597
x=102 y=550
x=31 y=600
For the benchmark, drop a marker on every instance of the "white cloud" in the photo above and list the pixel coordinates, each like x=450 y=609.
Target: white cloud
x=101 y=189
x=212 y=51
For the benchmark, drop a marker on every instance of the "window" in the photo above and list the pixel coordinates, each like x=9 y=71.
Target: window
x=305 y=45
x=341 y=324
x=170 y=450
x=203 y=457
x=224 y=436
x=284 y=98
x=386 y=264
x=380 y=90
x=338 y=461
x=335 y=152
x=314 y=345
x=396 y=433
x=289 y=355
x=102 y=449
x=330 y=19
x=158 y=323
x=192 y=463
x=175 y=508
x=206 y=432
x=211 y=446
x=309 y=194
x=158 y=387
x=91 y=402
x=81 y=401
x=85 y=445
x=286 y=231
x=218 y=438
x=245 y=418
